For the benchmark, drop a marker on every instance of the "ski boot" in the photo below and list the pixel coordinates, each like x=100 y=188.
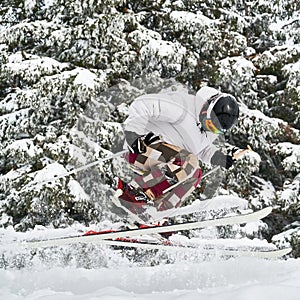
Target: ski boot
x=133 y=201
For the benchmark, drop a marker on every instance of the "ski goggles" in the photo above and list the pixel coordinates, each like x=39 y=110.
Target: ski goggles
x=208 y=119
x=211 y=127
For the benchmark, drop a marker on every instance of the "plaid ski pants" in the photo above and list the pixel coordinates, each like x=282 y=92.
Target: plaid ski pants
x=162 y=166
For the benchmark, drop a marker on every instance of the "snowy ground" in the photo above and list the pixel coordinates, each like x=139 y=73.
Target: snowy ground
x=57 y=274
x=234 y=279
x=91 y=272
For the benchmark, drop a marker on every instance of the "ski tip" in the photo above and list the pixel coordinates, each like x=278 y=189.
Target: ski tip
x=279 y=253
x=268 y=210
x=286 y=251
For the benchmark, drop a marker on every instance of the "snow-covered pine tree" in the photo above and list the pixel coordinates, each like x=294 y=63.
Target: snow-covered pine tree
x=58 y=58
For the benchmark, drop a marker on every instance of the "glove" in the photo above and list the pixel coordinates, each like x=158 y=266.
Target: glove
x=140 y=143
x=222 y=159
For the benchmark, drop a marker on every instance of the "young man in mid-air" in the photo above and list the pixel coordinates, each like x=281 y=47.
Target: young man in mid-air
x=167 y=134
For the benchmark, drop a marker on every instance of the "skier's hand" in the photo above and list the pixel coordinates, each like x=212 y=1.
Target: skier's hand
x=223 y=160
x=139 y=145
x=229 y=161
x=150 y=138
x=234 y=155
x=231 y=157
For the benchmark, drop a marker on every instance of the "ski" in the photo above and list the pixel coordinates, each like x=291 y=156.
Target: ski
x=203 y=249
x=204 y=206
x=97 y=237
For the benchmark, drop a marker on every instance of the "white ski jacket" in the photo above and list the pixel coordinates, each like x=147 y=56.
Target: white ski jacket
x=174 y=116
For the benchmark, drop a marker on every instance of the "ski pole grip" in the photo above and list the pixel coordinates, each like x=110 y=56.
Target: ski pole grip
x=242 y=153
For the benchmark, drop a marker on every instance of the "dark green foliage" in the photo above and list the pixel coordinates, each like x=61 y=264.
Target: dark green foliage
x=69 y=70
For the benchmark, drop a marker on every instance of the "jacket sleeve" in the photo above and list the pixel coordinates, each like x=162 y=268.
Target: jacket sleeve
x=154 y=108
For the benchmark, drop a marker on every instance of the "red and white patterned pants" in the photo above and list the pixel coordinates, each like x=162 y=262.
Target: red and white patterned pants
x=164 y=165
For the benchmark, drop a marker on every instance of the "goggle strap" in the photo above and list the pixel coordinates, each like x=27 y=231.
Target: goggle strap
x=212 y=103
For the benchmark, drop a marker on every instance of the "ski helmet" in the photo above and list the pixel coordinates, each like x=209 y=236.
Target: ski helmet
x=219 y=113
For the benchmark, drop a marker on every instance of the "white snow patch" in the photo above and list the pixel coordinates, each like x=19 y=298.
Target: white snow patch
x=49 y=172
x=233 y=279
x=266 y=193
x=166 y=48
x=240 y=65
x=48 y=3
x=12 y=117
x=13 y=174
x=261 y=116
x=29 y=5
x=190 y=18
x=85 y=77
x=16 y=62
x=184 y=279
x=290 y=68
x=77 y=190
x=292 y=161
x=24 y=145
x=123 y=108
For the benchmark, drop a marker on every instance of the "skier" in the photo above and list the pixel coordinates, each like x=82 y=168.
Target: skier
x=167 y=134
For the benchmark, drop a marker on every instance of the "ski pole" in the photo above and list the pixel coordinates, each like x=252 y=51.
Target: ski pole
x=211 y=171
x=56 y=177
x=236 y=156
x=178 y=183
